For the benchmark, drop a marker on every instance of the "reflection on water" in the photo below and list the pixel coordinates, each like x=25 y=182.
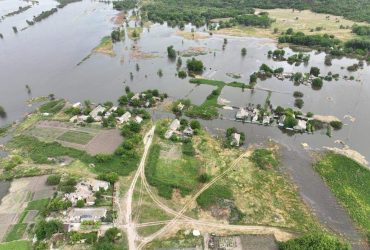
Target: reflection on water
x=45 y=56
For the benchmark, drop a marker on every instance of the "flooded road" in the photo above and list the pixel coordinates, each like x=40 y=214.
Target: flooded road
x=45 y=56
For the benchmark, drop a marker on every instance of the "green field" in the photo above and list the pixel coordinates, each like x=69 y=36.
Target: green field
x=350 y=182
x=167 y=173
x=76 y=137
x=37 y=204
x=16 y=232
x=16 y=245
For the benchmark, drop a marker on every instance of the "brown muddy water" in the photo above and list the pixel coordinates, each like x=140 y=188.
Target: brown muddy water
x=45 y=56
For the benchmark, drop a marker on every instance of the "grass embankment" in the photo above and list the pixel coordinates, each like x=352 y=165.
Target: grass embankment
x=16 y=245
x=350 y=183
x=208 y=109
x=105 y=46
x=305 y=21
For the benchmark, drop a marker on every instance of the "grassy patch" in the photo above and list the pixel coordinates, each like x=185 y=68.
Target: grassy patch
x=4 y=130
x=166 y=174
x=214 y=194
x=180 y=240
x=76 y=137
x=16 y=232
x=52 y=107
x=264 y=158
x=38 y=204
x=350 y=182
x=16 y=245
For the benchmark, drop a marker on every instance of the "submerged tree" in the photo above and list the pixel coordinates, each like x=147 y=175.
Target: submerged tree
x=171 y=52
x=2 y=112
x=244 y=51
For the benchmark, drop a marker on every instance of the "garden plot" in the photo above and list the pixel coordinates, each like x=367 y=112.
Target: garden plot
x=92 y=140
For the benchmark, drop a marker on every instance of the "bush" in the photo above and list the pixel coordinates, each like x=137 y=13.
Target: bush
x=203 y=178
x=171 y=52
x=182 y=74
x=336 y=124
x=298 y=103
x=298 y=94
x=53 y=180
x=290 y=122
x=80 y=203
x=315 y=71
x=109 y=177
x=314 y=241
x=194 y=65
x=45 y=229
x=317 y=83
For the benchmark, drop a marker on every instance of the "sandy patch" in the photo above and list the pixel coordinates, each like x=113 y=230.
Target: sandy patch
x=119 y=18
x=326 y=118
x=137 y=53
x=192 y=35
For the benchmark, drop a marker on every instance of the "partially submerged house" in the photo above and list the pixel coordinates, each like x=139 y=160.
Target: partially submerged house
x=138 y=119
x=301 y=126
x=96 y=113
x=242 y=114
x=235 y=139
x=188 y=132
x=124 y=118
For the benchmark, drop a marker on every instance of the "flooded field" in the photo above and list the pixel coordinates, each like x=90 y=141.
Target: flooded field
x=45 y=57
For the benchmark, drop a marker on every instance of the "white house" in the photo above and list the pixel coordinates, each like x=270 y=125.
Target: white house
x=124 y=118
x=175 y=124
x=235 y=139
x=96 y=111
x=138 y=119
x=77 y=105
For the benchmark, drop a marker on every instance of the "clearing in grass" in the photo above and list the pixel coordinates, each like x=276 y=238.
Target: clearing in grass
x=76 y=137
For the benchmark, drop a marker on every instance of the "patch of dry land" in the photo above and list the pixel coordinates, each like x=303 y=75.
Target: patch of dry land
x=105 y=46
x=192 y=35
x=304 y=21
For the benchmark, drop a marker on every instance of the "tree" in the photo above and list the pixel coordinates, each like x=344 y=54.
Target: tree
x=244 y=51
x=2 y=112
x=179 y=62
x=298 y=103
x=290 y=122
x=317 y=83
x=109 y=177
x=194 y=124
x=315 y=71
x=298 y=94
x=80 y=203
x=182 y=74
x=171 y=52
x=336 y=124
x=45 y=229
x=194 y=65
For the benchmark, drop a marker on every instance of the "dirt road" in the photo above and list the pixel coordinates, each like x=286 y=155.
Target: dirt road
x=130 y=226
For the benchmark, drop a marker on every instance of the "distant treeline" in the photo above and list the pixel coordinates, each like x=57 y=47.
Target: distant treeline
x=124 y=5
x=20 y=10
x=199 y=12
x=358 y=46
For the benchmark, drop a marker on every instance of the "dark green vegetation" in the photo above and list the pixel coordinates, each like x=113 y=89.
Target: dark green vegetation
x=16 y=232
x=45 y=229
x=264 y=158
x=117 y=35
x=18 y=11
x=213 y=195
x=4 y=130
x=171 y=52
x=201 y=12
x=113 y=239
x=194 y=65
x=350 y=182
x=2 y=112
x=63 y=3
x=43 y=15
x=314 y=241
x=254 y=20
x=359 y=47
x=124 y=5
x=361 y=30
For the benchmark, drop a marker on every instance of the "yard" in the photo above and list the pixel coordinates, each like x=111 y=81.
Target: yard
x=16 y=245
x=78 y=137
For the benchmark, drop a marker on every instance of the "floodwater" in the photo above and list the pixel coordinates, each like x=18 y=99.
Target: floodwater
x=45 y=56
